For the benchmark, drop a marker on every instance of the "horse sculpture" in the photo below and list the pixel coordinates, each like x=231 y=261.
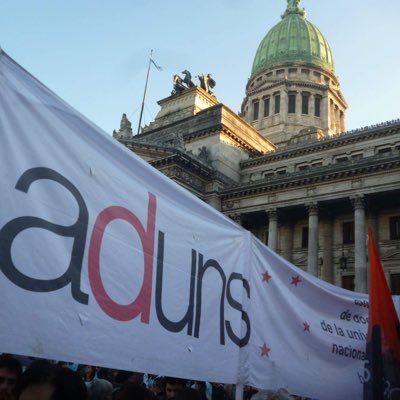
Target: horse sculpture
x=188 y=78
x=182 y=84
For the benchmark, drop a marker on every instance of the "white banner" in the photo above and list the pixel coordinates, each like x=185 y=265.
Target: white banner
x=107 y=262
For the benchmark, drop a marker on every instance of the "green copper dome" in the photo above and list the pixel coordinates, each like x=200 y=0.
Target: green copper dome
x=292 y=40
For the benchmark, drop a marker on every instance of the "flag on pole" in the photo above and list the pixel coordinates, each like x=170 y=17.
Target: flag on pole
x=382 y=368
x=157 y=66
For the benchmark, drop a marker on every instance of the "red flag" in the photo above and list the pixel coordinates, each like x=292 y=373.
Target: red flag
x=382 y=377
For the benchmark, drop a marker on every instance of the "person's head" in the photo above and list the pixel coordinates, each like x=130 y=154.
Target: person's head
x=45 y=381
x=123 y=377
x=131 y=391
x=89 y=372
x=173 y=386
x=136 y=378
x=10 y=371
x=158 y=385
x=200 y=386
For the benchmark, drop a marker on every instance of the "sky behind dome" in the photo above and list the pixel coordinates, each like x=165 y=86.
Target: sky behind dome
x=94 y=53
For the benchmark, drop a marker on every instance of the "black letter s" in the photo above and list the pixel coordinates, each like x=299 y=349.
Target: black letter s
x=237 y=306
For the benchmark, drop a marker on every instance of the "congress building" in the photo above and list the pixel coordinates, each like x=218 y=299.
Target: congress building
x=286 y=168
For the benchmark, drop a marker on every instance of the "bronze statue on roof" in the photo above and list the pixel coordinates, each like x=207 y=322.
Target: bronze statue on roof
x=181 y=84
x=206 y=82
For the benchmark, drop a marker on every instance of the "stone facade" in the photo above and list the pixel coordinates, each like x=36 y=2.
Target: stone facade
x=293 y=175
x=286 y=104
x=322 y=195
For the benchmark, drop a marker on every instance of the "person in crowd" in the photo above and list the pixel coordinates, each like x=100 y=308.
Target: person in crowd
x=122 y=377
x=219 y=392
x=158 y=387
x=45 y=381
x=173 y=386
x=10 y=371
x=281 y=394
x=201 y=387
x=132 y=391
x=248 y=392
x=188 y=393
x=98 y=389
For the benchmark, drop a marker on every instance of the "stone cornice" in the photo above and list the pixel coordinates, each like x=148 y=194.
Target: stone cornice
x=188 y=174
x=314 y=176
x=287 y=82
x=184 y=160
x=190 y=136
x=191 y=164
x=181 y=175
x=290 y=65
x=173 y=156
x=347 y=138
x=132 y=144
x=220 y=128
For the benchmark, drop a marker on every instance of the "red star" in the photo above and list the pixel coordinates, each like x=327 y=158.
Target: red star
x=306 y=327
x=295 y=280
x=265 y=350
x=266 y=277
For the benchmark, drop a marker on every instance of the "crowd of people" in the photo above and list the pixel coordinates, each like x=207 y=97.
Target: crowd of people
x=49 y=380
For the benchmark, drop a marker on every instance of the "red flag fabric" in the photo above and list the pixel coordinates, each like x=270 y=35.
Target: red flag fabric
x=382 y=369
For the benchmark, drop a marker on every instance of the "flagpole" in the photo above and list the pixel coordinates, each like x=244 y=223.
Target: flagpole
x=145 y=90
x=239 y=392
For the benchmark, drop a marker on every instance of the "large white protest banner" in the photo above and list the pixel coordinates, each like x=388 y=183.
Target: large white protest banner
x=105 y=261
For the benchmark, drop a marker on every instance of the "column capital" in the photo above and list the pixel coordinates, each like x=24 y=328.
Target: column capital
x=358 y=202
x=312 y=208
x=236 y=217
x=272 y=214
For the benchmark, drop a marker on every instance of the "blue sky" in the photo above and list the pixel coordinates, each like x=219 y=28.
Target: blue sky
x=94 y=53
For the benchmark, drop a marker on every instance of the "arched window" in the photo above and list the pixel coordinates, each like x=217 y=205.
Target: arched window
x=267 y=106
x=304 y=102
x=256 y=109
x=292 y=103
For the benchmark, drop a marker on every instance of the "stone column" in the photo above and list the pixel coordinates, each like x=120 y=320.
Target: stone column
x=331 y=116
x=360 y=245
x=342 y=121
x=312 y=262
x=298 y=103
x=287 y=241
x=273 y=229
x=327 y=257
x=325 y=117
x=311 y=105
x=284 y=103
x=337 y=119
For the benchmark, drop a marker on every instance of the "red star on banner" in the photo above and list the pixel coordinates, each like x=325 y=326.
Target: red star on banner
x=295 y=280
x=266 y=277
x=306 y=327
x=265 y=350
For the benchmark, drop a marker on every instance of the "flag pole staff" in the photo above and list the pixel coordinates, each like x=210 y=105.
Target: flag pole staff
x=145 y=90
x=239 y=392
